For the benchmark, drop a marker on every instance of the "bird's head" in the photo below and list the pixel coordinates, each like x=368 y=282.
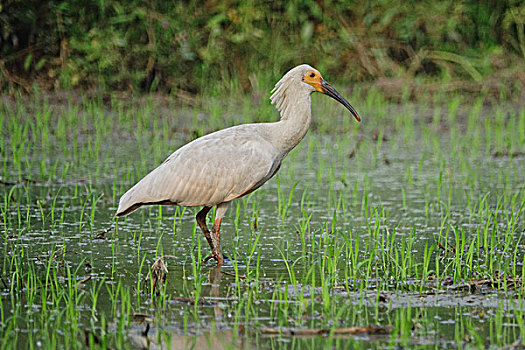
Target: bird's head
x=313 y=78
x=308 y=79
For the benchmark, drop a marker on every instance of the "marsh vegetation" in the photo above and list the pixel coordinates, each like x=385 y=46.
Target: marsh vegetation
x=406 y=228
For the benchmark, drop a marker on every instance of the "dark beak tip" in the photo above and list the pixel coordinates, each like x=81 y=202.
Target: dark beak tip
x=329 y=90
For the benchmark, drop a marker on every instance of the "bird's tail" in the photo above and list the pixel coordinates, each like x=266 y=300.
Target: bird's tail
x=130 y=202
x=128 y=210
x=127 y=203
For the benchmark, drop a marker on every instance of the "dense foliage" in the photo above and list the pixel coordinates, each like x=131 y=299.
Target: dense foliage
x=167 y=46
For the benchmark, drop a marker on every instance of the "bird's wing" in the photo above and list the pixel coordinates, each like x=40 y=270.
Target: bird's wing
x=210 y=170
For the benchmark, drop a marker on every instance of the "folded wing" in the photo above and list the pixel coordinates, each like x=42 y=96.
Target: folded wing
x=213 y=169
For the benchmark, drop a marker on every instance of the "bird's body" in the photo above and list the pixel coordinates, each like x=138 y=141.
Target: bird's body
x=230 y=163
x=205 y=175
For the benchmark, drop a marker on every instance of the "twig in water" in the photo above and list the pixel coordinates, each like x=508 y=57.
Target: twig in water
x=3 y=282
x=233 y=275
x=145 y=331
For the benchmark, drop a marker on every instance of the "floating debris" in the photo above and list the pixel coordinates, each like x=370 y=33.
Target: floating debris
x=191 y=301
x=232 y=274
x=157 y=275
x=102 y=234
x=294 y=332
x=84 y=280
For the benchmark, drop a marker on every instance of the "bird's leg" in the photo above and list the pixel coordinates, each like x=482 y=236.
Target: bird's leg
x=216 y=232
x=201 y=220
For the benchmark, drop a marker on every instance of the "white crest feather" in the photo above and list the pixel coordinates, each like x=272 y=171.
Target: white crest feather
x=281 y=91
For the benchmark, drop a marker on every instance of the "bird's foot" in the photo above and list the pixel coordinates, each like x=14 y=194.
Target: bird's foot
x=206 y=259
x=220 y=261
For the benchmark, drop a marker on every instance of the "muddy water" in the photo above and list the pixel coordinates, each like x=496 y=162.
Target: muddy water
x=324 y=175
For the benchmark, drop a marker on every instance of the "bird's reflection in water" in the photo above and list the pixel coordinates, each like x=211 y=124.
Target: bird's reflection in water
x=214 y=337
x=213 y=291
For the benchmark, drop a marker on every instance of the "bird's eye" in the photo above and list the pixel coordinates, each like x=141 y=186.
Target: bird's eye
x=312 y=75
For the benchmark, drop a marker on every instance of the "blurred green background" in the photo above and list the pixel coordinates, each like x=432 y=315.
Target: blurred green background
x=206 y=47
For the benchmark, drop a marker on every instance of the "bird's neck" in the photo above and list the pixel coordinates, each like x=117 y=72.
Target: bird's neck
x=295 y=122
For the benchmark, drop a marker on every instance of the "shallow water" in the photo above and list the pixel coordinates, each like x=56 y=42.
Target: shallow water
x=403 y=194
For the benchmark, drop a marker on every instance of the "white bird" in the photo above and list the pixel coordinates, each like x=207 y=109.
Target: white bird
x=216 y=168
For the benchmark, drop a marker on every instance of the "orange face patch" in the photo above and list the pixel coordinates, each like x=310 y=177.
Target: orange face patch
x=313 y=78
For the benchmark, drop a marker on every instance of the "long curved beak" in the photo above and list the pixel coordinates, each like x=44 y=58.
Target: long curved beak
x=329 y=90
